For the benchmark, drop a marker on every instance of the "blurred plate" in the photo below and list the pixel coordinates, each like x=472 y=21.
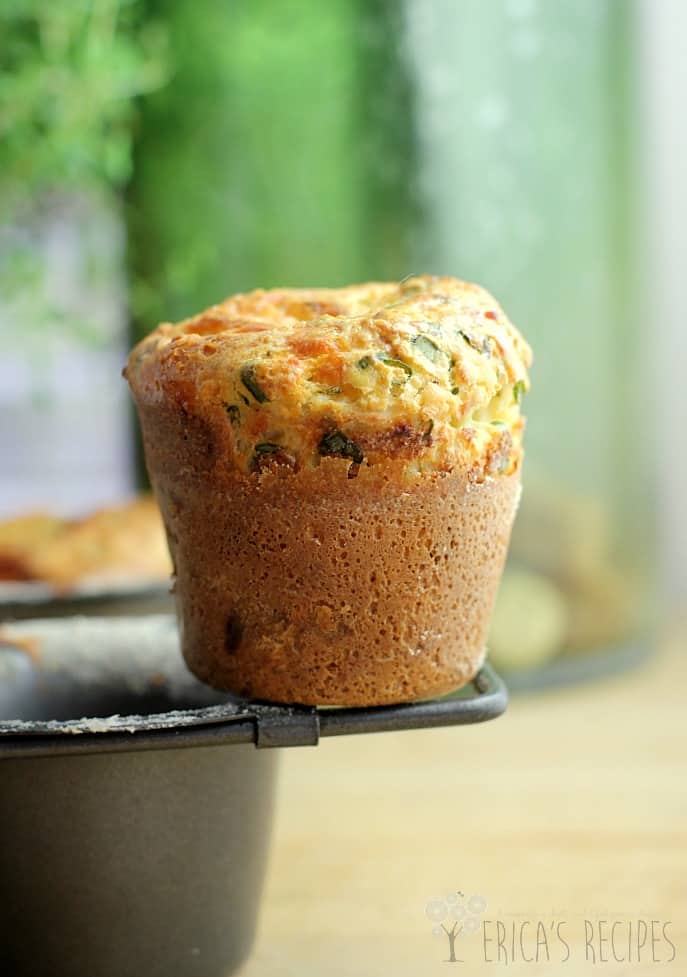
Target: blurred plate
x=95 y=595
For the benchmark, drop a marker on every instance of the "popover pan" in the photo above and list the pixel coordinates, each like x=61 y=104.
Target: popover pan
x=133 y=842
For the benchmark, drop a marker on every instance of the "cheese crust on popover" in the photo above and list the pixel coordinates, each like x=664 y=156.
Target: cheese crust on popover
x=428 y=370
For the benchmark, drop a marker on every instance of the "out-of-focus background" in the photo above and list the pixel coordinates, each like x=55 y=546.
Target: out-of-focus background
x=154 y=159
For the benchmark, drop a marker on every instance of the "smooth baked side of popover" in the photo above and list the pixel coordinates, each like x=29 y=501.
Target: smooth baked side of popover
x=338 y=471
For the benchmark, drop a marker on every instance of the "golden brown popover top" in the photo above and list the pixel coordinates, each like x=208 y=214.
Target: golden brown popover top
x=428 y=370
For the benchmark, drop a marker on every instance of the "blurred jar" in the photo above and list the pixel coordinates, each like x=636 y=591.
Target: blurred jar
x=527 y=173
x=65 y=431
x=303 y=143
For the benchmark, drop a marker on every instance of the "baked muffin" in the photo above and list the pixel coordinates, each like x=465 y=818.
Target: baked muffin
x=338 y=472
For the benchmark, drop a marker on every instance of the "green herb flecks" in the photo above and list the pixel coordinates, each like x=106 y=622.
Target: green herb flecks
x=427 y=347
x=398 y=364
x=251 y=384
x=481 y=345
x=267 y=454
x=335 y=444
x=455 y=391
x=364 y=363
x=519 y=390
x=234 y=414
x=267 y=448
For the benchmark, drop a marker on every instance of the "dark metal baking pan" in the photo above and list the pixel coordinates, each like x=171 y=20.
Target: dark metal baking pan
x=32 y=599
x=134 y=841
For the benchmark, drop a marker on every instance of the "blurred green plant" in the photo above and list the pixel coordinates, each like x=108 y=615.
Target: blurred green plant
x=70 y=75
x=69 y=72
x=279 y=153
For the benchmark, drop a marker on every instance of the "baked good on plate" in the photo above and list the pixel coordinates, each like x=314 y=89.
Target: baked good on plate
x=116 y=545
x=338 y=471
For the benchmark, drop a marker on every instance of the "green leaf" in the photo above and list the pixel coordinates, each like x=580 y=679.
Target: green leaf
x=69 y=75
x=335 y=444
x=251 y=384
x=481 y=345
x=393 y=362
x=427 y=347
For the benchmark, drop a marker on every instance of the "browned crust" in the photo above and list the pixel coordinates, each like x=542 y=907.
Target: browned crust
x=313 y=587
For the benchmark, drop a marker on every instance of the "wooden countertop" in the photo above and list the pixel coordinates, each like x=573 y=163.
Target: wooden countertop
x=569 y=811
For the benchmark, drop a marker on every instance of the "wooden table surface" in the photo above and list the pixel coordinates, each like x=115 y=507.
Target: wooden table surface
x=566 y=815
